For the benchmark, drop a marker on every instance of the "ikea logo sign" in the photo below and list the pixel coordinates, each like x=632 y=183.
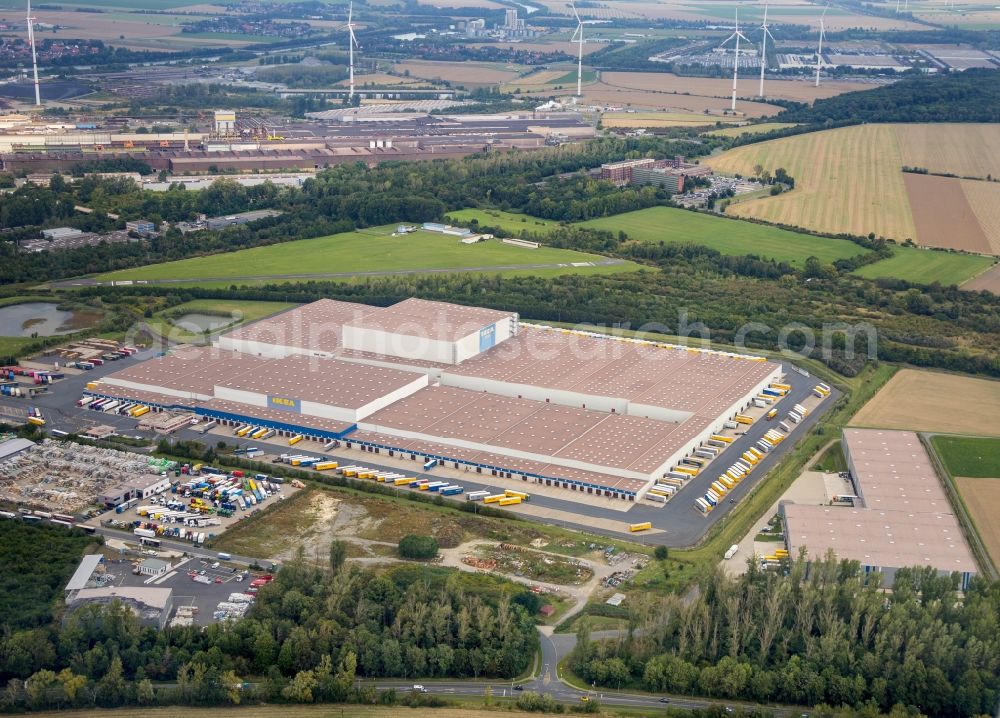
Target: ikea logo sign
x=285 y=404
x=487 y=337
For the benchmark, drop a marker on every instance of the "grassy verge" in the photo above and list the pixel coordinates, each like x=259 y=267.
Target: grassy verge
x=513 y=222
x=832 y=461
x=977 y=458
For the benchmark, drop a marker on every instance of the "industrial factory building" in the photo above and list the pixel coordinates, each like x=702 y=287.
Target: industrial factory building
x=467 y=386
x=899 y=515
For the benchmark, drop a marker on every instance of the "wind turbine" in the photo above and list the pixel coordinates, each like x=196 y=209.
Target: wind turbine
x=736 y=56
x=34 y=56
x=578 y=38
x=351 y=44
x=763 y=51
x=819 y=50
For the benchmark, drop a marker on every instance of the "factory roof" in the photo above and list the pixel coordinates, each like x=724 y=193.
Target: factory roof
x=316 y=326
x=893 y=471
x=156 y=598
x=887 y=539
x=13 y=447
x=440 y=321
x=88 y=564
x=496 y=423
x=678 y=378
x=188 y=369
x=906 y=519
x=326 y=381
x=502 y=461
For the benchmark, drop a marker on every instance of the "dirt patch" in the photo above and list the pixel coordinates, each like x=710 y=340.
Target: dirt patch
x=931 y=401
x=982 y=497
x=942 y=214
x=988 y=281
x=799 y=90
x=984 y=199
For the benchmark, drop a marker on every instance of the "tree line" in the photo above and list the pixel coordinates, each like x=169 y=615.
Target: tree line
x=824 y=633
x=311 y=632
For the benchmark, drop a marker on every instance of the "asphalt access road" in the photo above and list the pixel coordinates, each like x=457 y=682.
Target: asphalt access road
x=84 y=282
x=681 y=524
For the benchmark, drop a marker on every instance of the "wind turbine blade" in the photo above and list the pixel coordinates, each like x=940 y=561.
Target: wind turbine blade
x=350 y=12
x=764 y=24
x=576 y=14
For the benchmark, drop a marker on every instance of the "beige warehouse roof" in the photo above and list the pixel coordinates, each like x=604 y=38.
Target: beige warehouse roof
x=440 y=321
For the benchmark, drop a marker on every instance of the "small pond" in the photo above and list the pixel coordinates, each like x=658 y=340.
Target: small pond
x=196 y=323
x=43 y=319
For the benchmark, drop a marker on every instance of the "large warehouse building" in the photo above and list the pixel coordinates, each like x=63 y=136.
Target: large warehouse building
x=463 y=385
x=901 y=515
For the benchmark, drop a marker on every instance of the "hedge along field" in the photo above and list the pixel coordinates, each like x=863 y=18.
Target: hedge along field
x=847 y=180
x=667 y=224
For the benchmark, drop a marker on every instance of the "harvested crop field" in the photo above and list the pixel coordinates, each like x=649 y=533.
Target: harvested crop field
x=758 y=129
x=917 y=400
x=967 y=150
x=599 y=93
x=988 y=281
x=835 y=174
x=984 y=199
x=459 y=72
x=982 y=499
x=799 y=90
x=942 y=214
x=661 y=119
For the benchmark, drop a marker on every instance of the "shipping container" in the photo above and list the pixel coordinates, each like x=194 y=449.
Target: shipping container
x=730 y=425
x=520 y=494
x=494 y=498
x=731 y=551
x=702 y=505
x=509 y=501
x=451 y=490
x=741 y=419
x=785 y=427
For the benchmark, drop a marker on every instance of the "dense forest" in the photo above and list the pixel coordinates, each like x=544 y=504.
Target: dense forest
x=823 y=633
x=30 y=584
x=970 y=96
x=311 y=632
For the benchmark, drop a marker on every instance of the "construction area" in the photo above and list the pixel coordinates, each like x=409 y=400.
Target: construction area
x=468 y=388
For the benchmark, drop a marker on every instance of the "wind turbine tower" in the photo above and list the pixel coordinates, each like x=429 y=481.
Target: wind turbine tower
x=34 y=56
x=819 y=50
x=737 y=35
x=352 y=42
x=578 y=38
x=763 y=51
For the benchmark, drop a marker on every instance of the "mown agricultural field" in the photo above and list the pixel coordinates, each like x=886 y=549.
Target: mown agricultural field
x=917 y=400
x=924 y=266
x=666 y=224
x=850 y=180
x=798 y=90
x=758 y=129
x=846 y=180
x=661 y=119
x=370 y=251
x=975 y=457
x=982 y=498
x=513 y=222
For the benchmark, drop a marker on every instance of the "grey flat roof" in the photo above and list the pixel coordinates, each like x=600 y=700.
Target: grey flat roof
x=325 y=381
x=432 y=320
x=152 y=597
x=13 y=447
x=906 y=519
x=88 y=564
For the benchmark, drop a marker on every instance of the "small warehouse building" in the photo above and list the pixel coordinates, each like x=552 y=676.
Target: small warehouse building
x=901 y=518
x=141 y=487
x=153 y=567
x=152 y=606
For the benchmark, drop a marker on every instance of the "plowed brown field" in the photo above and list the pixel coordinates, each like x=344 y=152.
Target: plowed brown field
x=942 y=214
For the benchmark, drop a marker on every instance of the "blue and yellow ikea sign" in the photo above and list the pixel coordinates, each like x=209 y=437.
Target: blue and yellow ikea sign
x=487 y=337
x=285 y=404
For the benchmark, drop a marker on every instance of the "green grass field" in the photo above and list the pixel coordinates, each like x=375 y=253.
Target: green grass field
x=371 y=250
x=512 y=222
x=666 y=224
x=925 y=266
x=570 y=77
x=976 y=458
